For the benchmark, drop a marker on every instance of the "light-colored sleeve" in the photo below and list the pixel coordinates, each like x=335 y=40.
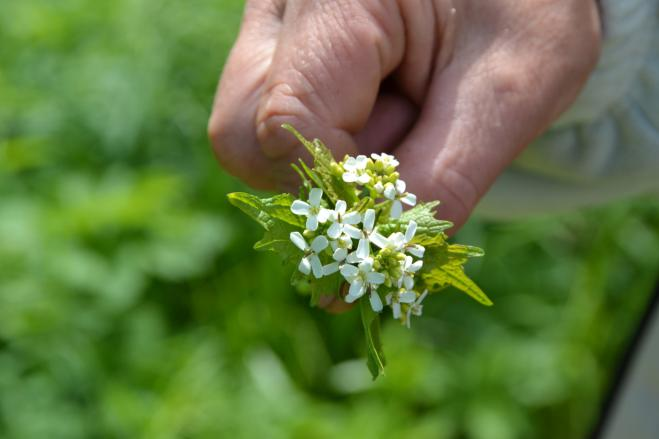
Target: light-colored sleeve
x=606 y=146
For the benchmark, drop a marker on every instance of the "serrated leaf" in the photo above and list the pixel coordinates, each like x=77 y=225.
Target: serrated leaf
x=454 y=275
x=374 y=353
x=251 y=205
x=263 y=210
x=279 y=207
x=428 y=227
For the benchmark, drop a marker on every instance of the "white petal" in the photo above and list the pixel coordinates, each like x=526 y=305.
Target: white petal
x=397 y=240
x=369 y=220
x=319 y=244
x=299 y=207
x=352 y=231
x=407 y=297
x=366 y=265
x=334 y=230
x=312 y=222
x=413 y=268
x=340 y=254
x=340 y=207
x=315 y=195
x=411 y=231
x=352 y=258
x=363 y=178
x=299 y=241
x=345 y=241
x=349 y=177
x=350 y=299
x=396 y=209
x=400 y=186
x=357 y=288
x=323 y=215
x=376 y=302
x=363 y=249
x=387 y=298
x=352 y=218
x=379 y=187
x=395 y=307
x=305 y=266
x=350 y=164
x=361 y=161
x=379 y=240
x=330 y=268
x=389 y=191
x=416 y=250
x=409 y=199
x=316 y=266
x=375 y=278
x=349 y=271
x=408 y=282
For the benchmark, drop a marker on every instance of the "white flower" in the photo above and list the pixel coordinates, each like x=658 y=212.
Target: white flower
x=398 y=195
x=374 y=298
x=355 y=170
x=415 y=308
x=368 y=235
x=400 y=242
x=312 y=209
x=341 y=246
x=395 y=299
x=343 y=222
x=386 y=159
x=409 y=269
x=310 y=261
x=360 y=277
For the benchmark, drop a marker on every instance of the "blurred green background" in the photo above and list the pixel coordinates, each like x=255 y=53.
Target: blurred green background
x=132 y=305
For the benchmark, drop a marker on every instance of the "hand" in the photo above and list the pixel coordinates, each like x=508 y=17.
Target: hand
x=456 y=89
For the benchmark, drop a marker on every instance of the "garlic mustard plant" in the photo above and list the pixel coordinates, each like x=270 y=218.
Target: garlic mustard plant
x=347 y=234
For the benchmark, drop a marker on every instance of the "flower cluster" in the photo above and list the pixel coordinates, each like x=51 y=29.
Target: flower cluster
x=345 y=239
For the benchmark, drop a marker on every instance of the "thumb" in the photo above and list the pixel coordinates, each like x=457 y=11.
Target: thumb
x=325 y=73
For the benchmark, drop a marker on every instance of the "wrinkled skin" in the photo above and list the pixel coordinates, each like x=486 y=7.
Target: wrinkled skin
x=455 y=89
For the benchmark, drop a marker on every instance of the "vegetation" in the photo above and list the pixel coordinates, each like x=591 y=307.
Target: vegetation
x=133 y=305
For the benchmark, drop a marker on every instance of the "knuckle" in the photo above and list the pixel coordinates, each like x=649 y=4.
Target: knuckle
x=219 y=128
x=280 y=105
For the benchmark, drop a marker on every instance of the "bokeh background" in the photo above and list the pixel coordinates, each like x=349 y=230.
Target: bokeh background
x=132 y=304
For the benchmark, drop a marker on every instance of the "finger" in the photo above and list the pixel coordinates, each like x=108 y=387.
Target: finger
x=391 y=118
x=231 y=125
x=326 y=71
x=334 y=305
x=484 y=108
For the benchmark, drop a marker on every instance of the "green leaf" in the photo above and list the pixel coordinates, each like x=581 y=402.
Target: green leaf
x=275 y=216
x=326 y=172
x=428 y=227
x=263 y=210
x=375 y=355
x=454 y=275
x=251 y=205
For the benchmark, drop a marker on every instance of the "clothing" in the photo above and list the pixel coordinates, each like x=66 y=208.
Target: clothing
x=606 y=146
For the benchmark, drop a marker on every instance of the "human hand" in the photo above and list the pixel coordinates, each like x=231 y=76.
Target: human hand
x=455 y=89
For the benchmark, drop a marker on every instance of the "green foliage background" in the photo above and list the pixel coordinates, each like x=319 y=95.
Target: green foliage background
x=132 y=304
